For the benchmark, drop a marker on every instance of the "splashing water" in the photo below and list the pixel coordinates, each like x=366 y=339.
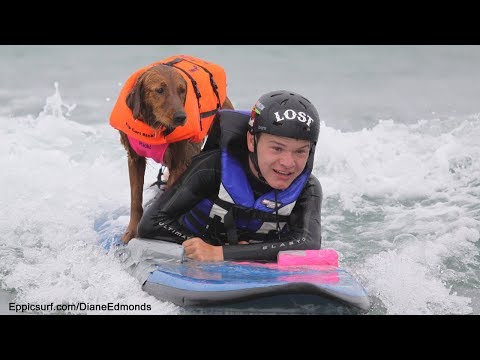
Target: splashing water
x=54 y=105
x=62 y=176
x=402 y=204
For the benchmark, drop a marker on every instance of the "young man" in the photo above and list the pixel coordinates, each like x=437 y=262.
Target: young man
x=251 y=196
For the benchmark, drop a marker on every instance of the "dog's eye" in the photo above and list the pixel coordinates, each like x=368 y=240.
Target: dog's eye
x=160 y=90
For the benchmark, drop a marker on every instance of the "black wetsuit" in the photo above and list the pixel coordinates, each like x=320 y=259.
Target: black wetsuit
x=202 y=179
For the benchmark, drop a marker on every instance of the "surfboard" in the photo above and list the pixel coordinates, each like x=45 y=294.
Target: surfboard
x=262 y=287
x=244 y=287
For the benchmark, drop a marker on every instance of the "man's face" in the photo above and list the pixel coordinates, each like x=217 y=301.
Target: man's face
x=280 y=159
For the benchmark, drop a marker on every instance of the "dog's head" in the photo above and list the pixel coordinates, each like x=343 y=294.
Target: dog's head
x=158 y=98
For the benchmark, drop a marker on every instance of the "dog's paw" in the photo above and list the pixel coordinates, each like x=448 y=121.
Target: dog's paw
x=128 y=235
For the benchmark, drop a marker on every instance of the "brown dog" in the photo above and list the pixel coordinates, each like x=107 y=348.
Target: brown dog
x=165 y=110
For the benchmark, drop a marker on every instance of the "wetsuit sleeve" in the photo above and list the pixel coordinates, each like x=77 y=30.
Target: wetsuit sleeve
x=305 y=229
x=201 y=180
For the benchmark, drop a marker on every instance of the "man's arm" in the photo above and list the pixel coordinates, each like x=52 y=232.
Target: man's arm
x=201 y=180
x=305 y=229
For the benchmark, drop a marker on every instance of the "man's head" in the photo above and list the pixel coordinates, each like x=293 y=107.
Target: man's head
x=283 y=132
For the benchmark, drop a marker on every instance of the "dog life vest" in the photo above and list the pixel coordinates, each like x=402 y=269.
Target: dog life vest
x=235 y=205
x=206 y=92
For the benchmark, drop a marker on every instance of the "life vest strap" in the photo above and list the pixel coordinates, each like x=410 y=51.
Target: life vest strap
x=206 y=114
x=235 y=212
x=213 y=227
x=198 y=95
x=249 y=213
x=231 y=227
x=212 y=80
x=173 y=62
x=194 y=83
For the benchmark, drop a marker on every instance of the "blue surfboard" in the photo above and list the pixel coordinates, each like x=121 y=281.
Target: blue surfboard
x=237 y=287
x=254 y=286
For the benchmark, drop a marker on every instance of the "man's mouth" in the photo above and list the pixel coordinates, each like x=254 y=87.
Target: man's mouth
x=283 y=173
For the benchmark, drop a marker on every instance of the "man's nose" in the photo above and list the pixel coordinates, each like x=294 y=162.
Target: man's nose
x=287 y=159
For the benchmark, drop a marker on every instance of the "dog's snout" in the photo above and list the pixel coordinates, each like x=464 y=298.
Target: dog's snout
x=179 y=118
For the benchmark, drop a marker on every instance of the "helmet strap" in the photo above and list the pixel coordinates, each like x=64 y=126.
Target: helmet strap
x=254 y=158
x=311 y=157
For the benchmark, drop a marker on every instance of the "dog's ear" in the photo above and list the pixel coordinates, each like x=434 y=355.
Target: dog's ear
x=135 y=98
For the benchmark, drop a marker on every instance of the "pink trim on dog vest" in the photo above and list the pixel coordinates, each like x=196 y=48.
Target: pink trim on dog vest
x=155 y=152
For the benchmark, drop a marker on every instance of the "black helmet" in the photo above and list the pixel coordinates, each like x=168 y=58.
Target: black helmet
x=285 y=113
x=288 y=114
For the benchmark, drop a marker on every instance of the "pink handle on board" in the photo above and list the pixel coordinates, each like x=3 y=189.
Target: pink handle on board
x=308 y=257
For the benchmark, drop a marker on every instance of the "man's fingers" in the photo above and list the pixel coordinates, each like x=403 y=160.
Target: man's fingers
x=190 y=247
x=190 y=242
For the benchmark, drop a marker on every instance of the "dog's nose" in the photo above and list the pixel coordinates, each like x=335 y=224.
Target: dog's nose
x=179 y=118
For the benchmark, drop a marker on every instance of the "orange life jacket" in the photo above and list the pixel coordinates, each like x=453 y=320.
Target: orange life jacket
x=206 y=92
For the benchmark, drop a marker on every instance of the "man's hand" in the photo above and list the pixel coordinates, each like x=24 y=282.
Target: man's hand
x=197 y=249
